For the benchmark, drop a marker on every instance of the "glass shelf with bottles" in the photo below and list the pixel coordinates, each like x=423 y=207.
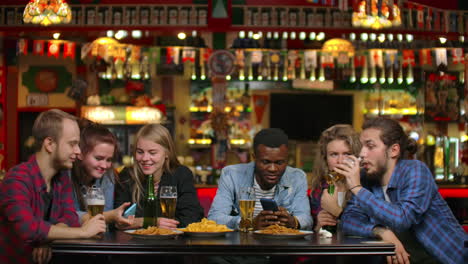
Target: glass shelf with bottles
x=237 y=111
x=392 y=103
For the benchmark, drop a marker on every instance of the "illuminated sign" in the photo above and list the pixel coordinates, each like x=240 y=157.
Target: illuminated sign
x=122 y=114
x=312 y=85
x=143 y=115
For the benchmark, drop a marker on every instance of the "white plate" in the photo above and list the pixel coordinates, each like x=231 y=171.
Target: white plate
x=374 y=242
x=303 y=233
x=176 y=233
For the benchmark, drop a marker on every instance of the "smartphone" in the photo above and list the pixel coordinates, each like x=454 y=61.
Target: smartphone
x=269 y=204
x=131 y=210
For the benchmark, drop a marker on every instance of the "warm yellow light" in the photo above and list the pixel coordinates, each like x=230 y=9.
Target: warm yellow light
x=337 y=45
x=46 y=12
x=105 y=41
x=181 y=35
x=56 y=35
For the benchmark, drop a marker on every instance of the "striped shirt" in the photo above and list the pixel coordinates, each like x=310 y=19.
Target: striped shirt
x=415 y=206
x=259 y=193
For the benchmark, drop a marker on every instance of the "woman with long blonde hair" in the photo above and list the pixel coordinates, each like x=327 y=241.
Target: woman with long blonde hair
x=155 y=154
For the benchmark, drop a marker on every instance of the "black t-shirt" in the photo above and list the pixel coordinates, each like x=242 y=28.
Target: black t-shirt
x=47 y=200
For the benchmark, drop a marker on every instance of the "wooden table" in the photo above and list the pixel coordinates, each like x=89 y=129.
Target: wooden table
x=234 y=243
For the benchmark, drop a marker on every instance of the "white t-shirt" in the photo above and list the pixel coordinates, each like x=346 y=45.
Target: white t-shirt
x=341 y=198
x=259 y=193
x=384 y=189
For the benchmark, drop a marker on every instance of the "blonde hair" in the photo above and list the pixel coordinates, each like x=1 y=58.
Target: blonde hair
x=159 y=135
x=336 y=132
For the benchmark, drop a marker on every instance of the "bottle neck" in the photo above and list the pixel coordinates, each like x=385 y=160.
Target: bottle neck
x=331 y=189
x=150 y=186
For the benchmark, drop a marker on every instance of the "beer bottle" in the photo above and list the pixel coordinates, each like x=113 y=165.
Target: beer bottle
x=331 y=229
x=150 y=214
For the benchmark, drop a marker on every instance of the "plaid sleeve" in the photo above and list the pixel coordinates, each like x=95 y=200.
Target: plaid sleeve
x=354 y=221
x=16 y=201
x=314 y=199
x=69 y=215
x=413 y=201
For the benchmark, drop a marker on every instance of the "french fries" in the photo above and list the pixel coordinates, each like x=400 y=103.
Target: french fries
x=153 y=230
x=277 y=229
x=206 y=226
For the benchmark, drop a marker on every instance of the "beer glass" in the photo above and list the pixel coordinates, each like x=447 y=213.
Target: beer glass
x=95 y=200
x=168 y=200
x=247 y=205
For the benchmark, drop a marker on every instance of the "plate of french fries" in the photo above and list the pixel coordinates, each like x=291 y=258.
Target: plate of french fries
x=205 y=228
x=281 y=232
x=153 y=232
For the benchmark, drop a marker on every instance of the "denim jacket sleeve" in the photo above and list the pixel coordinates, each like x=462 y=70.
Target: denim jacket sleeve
x=224 y=201
x=108 y=186
x=300 y=206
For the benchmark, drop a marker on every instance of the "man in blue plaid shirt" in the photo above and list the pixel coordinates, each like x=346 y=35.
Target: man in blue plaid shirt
x=401 y=196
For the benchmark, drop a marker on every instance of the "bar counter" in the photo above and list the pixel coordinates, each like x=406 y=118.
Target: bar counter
x=233 y=243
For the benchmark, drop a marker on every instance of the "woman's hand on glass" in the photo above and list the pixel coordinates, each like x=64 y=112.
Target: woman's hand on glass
x=330 y=203
x=324 y=218
x=167 y=223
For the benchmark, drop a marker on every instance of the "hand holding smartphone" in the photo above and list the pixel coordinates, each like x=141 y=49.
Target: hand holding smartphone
x=131 y=210
x=269 y=204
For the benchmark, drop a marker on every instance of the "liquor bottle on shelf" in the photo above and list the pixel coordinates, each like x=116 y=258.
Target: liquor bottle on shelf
x=245 y=99
x=150 y=209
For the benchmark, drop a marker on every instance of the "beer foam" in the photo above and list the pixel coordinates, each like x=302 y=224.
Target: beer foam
x=95 y=202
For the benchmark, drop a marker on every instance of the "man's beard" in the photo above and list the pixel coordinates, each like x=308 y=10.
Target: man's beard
x=377 y=176
x=57 y=162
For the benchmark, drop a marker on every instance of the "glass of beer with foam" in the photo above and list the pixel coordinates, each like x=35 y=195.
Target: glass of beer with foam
x=168 y=200
x=95 y=200
x=247 y=207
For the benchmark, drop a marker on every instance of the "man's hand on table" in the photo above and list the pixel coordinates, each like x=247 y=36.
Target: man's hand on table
x=401 y=256
x=93 y=226
x=42 y=254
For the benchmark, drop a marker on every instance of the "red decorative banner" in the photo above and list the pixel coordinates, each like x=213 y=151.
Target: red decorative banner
x=429 y=19
x=69 y=50
x=408 y=58
x=260 y=102
x=420 y=17
x=457 y=56
x=38 y=47
x=359 y=61
x=53 y=49
x=425 y=57
x=23 y=46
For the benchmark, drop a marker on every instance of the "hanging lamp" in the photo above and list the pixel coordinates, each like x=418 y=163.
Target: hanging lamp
x=47 y=12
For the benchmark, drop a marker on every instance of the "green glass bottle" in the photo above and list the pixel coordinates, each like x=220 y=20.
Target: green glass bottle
x=150 y=214
x=331 y=229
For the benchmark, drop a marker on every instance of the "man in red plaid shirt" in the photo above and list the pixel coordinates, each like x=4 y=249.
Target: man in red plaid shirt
x=36 y=203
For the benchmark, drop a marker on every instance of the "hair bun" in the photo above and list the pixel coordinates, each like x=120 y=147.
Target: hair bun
x=411 y=146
